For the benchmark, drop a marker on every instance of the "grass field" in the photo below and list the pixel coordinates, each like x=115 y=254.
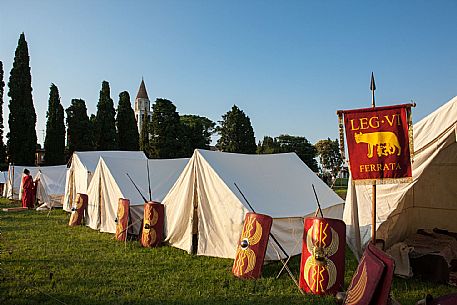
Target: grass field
x=44 y=261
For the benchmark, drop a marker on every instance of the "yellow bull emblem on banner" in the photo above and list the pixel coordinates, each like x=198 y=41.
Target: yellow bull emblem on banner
x=386 y=143
x=320 y=249
x=244 y=251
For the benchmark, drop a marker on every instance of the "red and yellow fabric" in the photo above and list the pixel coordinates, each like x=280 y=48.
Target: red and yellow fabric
x=322 y=260
x=77 y=213
x=372 y=280
x=122 y=219
x=152 y=232
x=379 y=142
x=252 y=246
x=28 y=192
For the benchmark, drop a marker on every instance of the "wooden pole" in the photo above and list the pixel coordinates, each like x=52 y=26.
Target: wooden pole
x=373 y=187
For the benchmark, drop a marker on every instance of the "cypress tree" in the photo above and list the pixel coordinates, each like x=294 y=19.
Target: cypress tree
x=127 y=130
x=144 y=135
x=237 y=134
x=105 y=132
x=165 y=131
x=54 y=144
x=2 y=145
x=22 y=139
x=79 y=131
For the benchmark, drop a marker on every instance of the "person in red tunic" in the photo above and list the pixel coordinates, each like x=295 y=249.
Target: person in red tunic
x=28 y=190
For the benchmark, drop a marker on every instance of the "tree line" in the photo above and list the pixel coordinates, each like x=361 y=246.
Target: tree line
x=166 y=134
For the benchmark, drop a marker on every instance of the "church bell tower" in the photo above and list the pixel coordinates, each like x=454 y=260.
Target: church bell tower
x=142 y=106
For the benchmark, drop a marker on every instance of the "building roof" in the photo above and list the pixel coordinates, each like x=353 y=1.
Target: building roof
x=142 y=93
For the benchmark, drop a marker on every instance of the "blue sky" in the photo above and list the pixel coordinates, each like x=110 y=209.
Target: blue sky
x=288 y=64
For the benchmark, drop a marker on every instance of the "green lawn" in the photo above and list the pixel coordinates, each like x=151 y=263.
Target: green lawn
x=44 y=261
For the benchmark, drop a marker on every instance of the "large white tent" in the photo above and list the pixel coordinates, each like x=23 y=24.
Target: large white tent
x=279 y=185
x=82 y=167
x=429 y=201
x=50 y=186
x=110 y=182
x=13 y=187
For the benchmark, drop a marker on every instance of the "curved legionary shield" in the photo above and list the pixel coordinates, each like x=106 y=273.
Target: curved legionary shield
x=77 y=212
x=251 y=249
x=122 y=219
x=152 y=232
x=372 y=280
x=322 y=260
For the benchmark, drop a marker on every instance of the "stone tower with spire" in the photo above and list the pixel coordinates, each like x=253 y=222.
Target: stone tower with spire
x=142 y=106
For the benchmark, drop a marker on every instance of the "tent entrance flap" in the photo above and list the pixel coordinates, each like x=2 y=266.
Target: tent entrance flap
x=194 y=245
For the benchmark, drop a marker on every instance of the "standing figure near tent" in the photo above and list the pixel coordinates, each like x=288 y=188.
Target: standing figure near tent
x=28 y=190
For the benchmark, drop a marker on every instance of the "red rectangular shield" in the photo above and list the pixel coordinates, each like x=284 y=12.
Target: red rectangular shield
x=322 y=259
x=379 y=142
x=122 y=219
x=251 y=249
x=152 y=232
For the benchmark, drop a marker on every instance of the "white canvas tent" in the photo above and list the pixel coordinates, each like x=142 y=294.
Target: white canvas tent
x=13 y=187
x=82 y=167
x=110 y=182
x=3 y=178
x=50 y=186
x=278 y=185
x=429 y=201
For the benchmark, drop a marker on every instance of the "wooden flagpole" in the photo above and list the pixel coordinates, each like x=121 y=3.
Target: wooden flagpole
x=373 y=187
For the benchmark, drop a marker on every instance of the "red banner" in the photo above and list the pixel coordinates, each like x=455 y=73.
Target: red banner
x=379 y=142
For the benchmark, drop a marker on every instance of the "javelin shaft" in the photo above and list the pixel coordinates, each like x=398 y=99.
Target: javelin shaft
x=271 y=234
x=144 y=198
x=149 y=180
x=318 y=203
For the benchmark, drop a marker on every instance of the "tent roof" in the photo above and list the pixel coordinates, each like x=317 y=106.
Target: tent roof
x=435 y=125
x=90 y=158
x=279 y=185
x=163 y=173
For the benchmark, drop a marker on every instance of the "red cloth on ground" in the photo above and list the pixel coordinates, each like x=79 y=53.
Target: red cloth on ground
x=28 y=192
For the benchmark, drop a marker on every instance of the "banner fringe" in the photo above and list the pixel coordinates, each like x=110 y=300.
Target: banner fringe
x=382 y=181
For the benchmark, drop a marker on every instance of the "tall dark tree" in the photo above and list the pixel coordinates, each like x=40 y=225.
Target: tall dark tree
x=105 y=131
x=54 y=144
x=237 y=134
x=2 y=145
x=22 y=137
x=269 y=145
x=302 y=147
x=79 y=128
x=144 y=135
x=127 y=130
x=196 y=133
x=165 y=130
x=330 y=156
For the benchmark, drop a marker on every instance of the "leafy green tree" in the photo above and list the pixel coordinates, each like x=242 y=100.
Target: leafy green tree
x=144 y=135
x=269 y=145
x=329 y=156
x=105 y=123
x=302 y=147
x=79 y=128
x=197 y=132
x=2 y=145
x=22 y=137
x=165 y=130
x=54 y=144
x=127 y=131
x=237 y=134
